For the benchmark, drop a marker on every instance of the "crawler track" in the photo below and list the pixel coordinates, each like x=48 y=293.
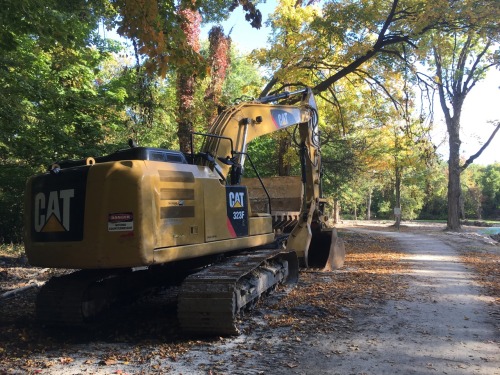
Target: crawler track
x=208 y=303
x=78 y=298
x=210 y=300
x=73 y=299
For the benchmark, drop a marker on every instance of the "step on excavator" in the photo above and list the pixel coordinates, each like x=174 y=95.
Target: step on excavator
x=146 y=216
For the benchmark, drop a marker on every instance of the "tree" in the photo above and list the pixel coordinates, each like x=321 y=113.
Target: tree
x=461 y=58
x=219 y=59
x=316 y=47
x=168 y=35
x=50 y=105
x=324 y=49
x=389 y=31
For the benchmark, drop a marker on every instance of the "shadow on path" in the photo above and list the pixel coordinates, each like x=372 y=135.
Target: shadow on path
x=444 y=327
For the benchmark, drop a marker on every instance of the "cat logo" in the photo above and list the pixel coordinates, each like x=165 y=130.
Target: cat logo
x=52 y=213
x=236 y=199
x=283 y=119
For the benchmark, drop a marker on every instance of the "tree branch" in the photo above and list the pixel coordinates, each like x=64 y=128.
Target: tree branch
x=387 y=22
x=268 y=87
x=394 y=101
x=477 y=154
x=462 y=59
x=382 y=41
x=474 y=68
x=440 y=85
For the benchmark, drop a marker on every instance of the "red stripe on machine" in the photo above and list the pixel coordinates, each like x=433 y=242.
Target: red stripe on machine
x=230 y=227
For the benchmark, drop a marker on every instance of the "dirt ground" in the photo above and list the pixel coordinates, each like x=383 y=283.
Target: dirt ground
x=413 y=301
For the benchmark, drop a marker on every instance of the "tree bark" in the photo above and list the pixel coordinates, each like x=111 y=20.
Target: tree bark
x=186 y=79
x=452 y=119
x=220 y=60
x=336 y=211
x=284 y=165
x=185 y=92
x=397 y=189
x=454 y=171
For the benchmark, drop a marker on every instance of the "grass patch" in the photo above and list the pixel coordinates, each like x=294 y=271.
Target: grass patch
x=11 y=250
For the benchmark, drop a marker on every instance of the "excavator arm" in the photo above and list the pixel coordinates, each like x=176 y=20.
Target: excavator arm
x=238 y=125
x=224 y=150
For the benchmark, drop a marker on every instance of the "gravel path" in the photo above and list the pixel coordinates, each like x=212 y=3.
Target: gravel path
x=441 y=324
x=446 y=326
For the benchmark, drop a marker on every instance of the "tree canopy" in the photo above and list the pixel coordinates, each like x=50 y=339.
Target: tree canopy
x=67 y=92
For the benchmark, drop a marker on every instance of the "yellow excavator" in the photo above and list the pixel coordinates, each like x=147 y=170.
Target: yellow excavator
x=147 y=216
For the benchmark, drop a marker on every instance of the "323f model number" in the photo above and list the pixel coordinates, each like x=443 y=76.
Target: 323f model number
x=238 y=215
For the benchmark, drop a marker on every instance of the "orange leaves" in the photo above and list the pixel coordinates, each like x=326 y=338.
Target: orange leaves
x=487 y=267
x=162 y=33
x=65 y=360
x=373 y=274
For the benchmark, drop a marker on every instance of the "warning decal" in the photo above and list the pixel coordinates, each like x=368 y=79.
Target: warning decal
x=121 y=222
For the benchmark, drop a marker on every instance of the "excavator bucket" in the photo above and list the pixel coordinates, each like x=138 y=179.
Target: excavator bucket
x=283 y=201
x=326 y=250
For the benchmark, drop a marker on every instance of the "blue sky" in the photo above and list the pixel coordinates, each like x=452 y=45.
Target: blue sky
x=243 y=36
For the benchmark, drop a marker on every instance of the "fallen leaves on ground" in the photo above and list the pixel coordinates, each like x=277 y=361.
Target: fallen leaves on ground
x=487 y=267
x=322 y=300
x=147 y=334
x=482 y=254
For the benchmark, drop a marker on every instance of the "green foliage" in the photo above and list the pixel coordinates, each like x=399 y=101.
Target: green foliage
x=259 y=150
x=412 y=198
x=243 y=80
x=13 y=179
x=384 y=210
x=53 y=102
x=434 y=186
x=490 y=180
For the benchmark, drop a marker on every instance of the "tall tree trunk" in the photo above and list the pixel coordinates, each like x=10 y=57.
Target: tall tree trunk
x=397 y=189
x=186 y=79
x=452 y=118
x=219 y=60
x=284 y=166
x=369 y=204
x=454 y=188
x=336 y=211
x=185 y=94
